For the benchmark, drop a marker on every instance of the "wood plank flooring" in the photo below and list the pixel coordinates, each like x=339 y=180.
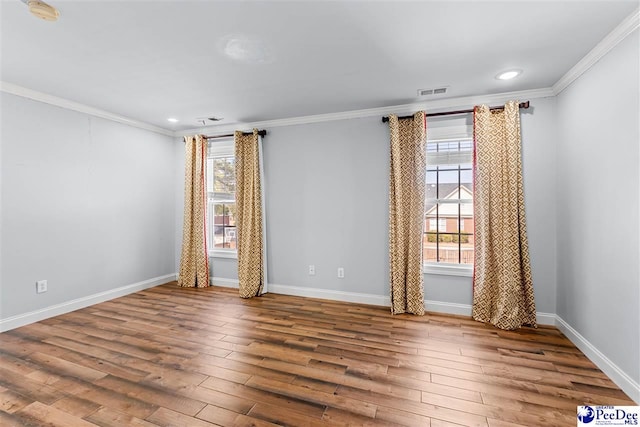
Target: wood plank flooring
x=171 y=356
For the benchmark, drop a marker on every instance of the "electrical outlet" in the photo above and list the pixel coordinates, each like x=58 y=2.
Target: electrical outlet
x=312 y=270
x=340 y=273
x=41 y=286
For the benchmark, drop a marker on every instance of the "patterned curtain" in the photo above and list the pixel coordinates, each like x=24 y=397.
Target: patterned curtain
x=194 y=261
x=249 y=215
x=502 y=284
x=406 y=213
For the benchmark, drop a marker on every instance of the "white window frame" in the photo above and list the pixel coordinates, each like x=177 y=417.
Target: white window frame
x=449 y=133
x=216 y=149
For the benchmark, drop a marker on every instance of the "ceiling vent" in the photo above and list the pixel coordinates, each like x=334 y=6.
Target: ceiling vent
x=204 y=120
x=435 y=91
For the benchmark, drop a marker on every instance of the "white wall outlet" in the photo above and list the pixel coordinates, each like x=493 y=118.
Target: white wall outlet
x=312 y=270
x=41 y=286
x=340 y=273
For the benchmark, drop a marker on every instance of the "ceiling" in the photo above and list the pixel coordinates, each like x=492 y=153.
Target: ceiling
x=151 y=60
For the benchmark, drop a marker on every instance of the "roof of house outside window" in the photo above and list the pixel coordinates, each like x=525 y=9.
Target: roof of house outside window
x=453 y=192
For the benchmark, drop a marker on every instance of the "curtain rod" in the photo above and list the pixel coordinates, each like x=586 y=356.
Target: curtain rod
x=524 y=105
x=260 y=132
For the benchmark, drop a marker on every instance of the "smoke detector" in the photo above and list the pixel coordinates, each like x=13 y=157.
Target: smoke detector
x=42 y=10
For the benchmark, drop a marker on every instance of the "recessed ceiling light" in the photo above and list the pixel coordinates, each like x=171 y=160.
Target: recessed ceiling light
x=508 y=75
x=173 y=120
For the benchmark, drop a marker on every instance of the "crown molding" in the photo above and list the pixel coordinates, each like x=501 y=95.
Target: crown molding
x=431 y=106
x=76 y=106
x=625 y=28
x=611 y=40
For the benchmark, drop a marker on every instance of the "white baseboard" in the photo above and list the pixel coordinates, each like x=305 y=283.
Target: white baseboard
x=330 y=294
x=226 y=283
x=465 y=310
x=310 y=292
x=617 y=375
x=447 y=307
x=546 y=319
x=78 y=303
x=360 y=298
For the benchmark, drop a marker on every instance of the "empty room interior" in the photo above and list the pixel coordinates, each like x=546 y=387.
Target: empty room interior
x=319 y=213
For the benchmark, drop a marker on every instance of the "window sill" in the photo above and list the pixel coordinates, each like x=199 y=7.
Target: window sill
x=448 y=270
x=219 y=253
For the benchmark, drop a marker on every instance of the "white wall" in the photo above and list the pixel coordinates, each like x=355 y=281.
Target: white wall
x=327 y=205
x=598 y=180
x=178 y=154
x=87 y=204
x=539 y=140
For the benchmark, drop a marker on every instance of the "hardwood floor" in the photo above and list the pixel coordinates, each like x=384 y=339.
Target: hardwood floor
x=172 y=356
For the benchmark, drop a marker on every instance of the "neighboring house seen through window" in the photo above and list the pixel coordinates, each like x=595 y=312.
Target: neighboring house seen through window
x=449 y=202
x=442 y=224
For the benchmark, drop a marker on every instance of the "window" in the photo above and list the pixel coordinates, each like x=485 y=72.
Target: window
x=449 y=202
x=221 y=197
x=442 y=224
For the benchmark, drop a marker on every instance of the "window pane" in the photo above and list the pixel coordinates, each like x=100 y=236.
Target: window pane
x=448 y=254
x=209 y=175
x=466 y=180
x=448 y=190
x=430 y=216
x=466 y=145
x=448 y=248
x=447 y=184
x=231 y=208
x=220 y=219
x=218 y=237
x=448 y=216
x=431 y=185
x=429 y=253
x=466 y=249
x=224 y=221
x=221 y=214
x=230 y=237
x=466 y=217
x=224 y=175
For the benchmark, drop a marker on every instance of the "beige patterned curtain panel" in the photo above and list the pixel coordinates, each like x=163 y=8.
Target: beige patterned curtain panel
x=194 y=261
x=406 y=212
x=249 y=215
x=502 y=283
